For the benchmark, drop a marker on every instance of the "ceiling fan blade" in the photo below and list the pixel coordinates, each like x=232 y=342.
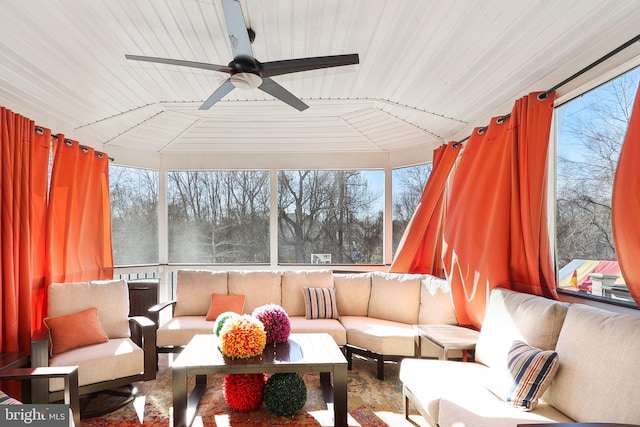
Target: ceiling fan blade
x=237 y=29
x=192 y=64
x=217 y=95
x=274 y=89
x=275 y=68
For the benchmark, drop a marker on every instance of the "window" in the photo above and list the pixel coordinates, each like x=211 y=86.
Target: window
x=591 y=131
x=408 y=186
x=134 y=215
x=330 y=216
x=218 y=217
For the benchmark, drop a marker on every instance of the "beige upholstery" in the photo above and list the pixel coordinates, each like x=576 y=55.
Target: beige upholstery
x=380 y=336
x=452 y=393
x=294 y=281
x=124 y=358
x=467 y=409
x=260 y=288
x=598 y=376
x=301 y=325
x=436 y=304
x=116 y=358
x=111 y=298
x=180 y=330
x=377 y=310
x=352 y=293
x=395 y=297
x=512 y=316
x=194 y=289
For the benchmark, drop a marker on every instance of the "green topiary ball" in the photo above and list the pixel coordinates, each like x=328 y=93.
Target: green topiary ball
x=219 y=323
x=285 y=394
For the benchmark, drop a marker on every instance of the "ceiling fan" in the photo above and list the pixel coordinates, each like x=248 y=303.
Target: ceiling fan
x=245 y=71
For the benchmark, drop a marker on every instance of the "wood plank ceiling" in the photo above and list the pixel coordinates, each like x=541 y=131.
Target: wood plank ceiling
x=430 y=70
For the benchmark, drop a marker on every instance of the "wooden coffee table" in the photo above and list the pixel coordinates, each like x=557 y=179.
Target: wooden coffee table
x=301 y=353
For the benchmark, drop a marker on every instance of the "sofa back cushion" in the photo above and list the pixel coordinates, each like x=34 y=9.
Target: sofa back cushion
x=259 y=287
x=513 y=316
x=436 y=303
x=194 y=289
x=109 y=297
x=395 y=297
x=598 y=375
x=352 y=293
x=294 y=281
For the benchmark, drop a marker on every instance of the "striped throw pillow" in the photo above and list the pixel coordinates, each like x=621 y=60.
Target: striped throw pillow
x=8 y=400
x=531 y=371
x=320 y=303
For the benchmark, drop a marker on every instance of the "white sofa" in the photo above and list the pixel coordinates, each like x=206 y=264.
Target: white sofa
x=377 y=311
x=597 y=379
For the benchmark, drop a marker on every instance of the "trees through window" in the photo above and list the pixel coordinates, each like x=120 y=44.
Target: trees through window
x=590 y=134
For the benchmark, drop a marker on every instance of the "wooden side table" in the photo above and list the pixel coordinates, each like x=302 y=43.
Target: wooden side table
x=447 y=337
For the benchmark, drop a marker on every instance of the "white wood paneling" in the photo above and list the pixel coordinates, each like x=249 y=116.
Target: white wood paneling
x=429 y=71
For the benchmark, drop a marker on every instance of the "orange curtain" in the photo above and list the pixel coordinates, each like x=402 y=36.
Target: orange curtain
x=23 y=158
x=420 y=249
x=79 y=219
x=496 y=228
x=626 y=205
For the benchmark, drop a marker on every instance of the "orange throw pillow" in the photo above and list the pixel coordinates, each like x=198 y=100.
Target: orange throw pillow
x=221 y=303
x=75 y=330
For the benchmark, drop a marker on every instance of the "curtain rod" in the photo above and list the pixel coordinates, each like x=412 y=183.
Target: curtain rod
x=68 y=141
x=568 y=79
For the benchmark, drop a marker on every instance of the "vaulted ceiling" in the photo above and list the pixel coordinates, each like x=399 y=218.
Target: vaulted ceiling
x=429 y=71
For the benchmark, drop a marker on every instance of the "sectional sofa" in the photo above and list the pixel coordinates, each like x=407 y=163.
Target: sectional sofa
x=593 y=377
x=373 y=313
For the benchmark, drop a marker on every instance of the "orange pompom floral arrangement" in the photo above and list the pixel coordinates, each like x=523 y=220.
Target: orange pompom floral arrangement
x=242 y=337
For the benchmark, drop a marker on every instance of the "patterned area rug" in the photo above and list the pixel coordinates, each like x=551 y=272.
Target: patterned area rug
x=371 y=403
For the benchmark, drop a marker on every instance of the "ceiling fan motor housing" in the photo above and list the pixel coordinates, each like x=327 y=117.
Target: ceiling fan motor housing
x=245 y=73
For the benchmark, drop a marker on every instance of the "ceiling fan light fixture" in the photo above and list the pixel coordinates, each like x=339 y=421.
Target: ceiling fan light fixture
x=246 y=81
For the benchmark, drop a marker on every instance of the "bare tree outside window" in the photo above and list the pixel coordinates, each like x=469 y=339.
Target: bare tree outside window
x=218 y=217
x=591 y=131
x=134 y=215
x=336 y=213
x=408 y=186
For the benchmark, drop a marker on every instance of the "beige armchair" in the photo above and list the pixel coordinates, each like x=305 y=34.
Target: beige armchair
x=88 y=327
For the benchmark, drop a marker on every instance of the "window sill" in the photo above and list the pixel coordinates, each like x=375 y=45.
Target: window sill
x=599 y=299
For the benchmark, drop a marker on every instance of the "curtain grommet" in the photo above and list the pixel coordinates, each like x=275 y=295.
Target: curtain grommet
x=542 y=96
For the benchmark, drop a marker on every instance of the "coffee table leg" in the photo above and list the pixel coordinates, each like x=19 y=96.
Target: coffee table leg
x=179 y=397
x=340 y=395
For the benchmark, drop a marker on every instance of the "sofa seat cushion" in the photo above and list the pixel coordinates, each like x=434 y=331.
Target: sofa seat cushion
x=116 y=358
x=380 y=336
x=302 y=325
x=488 y=410
x=451 y=391
x=178 y=331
